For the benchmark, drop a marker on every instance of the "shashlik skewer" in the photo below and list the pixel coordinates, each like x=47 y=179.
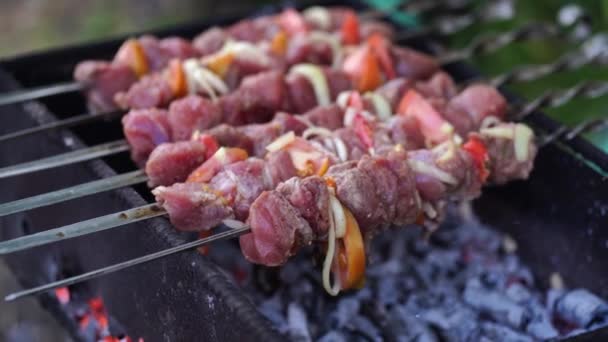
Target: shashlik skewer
x=189 y=246
x=478 y=45
x=42 y=237
x=550 y=99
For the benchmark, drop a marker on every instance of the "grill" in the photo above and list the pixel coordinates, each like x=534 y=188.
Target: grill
x=556 y=217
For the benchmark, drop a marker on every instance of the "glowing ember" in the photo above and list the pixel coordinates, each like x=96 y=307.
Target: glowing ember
x=63 y=295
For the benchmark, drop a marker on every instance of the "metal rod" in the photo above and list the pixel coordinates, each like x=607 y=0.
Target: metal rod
x=229 y=234
x=73 y=192
x=65 y=123
x=39 y=92
x=93 y=225
x=63 y=159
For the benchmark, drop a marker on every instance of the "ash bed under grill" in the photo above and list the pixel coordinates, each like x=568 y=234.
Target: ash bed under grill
x=558 y=219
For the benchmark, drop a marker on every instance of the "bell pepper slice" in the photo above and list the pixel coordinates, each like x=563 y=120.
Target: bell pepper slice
x=381 y=47
x=351 y=255
x=350 y=29
x=278 y=45
x=133 y=53
x=478 y=151
x=220 y=63
x=177 y=78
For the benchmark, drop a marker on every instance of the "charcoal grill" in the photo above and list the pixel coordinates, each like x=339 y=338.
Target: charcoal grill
x=558 y=217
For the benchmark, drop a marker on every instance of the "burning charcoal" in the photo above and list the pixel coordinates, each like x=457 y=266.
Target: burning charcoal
x=333 y=336
x=499 y=306
x=388 y=291
x=405 y=326
x=347 y=308
x=364 y=327
x=496 y=332
x=582 y=307
x=518 y=293
x=298 y=323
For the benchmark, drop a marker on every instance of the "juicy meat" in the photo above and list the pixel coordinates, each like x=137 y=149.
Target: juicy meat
x=227 y=135
x=310 y=197
x=413 y=64
x=104 y=80
x=153 y=90
x=276 y=226
x=394 y=90
x=192 y=207
x=145 y=129
x=478 y=102
x=302 y=96
x=256 y=100
x=160 y=51
x=304 y=49
x=210 y=41
x=173 y=162
x=330 y=117
x=190 y=114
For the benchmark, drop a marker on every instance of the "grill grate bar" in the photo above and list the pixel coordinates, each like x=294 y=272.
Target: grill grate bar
x=40 y=92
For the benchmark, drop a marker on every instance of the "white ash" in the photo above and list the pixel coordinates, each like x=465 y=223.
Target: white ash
x=460 y=284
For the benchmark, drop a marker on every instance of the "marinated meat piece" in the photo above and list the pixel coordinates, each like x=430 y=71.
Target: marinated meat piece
x=151 y=91
x=301 y=94
x=172 y=163
x=261 y=135
x=303 y=48
x=310 y=197
x=103 y=81
x=279 y=167
x=160 y=51
x=276 y=227
x=190 y=114
x=479 y=101
x=440 y=85
x=192 y=207
x=145 y=129
x=394 y=90
x=406 y=132
x=227 y=135
x=256 y=100
x=210 y=41
x=413 y=64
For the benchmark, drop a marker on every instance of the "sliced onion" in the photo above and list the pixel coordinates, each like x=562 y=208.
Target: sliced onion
x=317 y=79
x=316 y=131
x=234 y=224
x=351 y=113
x=505 y=132
x=343 y=97
x=200 y=78
x=338 y=215
x=489 y=121
x=329 y=258
x=319 y=16
x=341 y=149
x=429 y=210
x=383 y=108
x=333 y=41
x=449 y=152
x=243 y=50
x=433 y=171
x=523 y=136
x=281 y=141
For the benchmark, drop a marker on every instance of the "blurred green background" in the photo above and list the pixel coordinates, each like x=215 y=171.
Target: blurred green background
x=34 y=24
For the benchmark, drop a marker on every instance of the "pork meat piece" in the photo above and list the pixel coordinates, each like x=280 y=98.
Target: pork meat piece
x=192 y=206
x=190 y=114
x=171 y=163
x=210 y=41
x=310 y=197
x=145 y=129
x=104 y=80
x=151 y=91
x=413 y=64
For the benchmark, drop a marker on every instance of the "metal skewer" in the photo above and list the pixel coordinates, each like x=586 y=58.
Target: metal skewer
x=230 y=234
x=526 y=73
x=40 y=92
x=71 y=157
x=548 y=99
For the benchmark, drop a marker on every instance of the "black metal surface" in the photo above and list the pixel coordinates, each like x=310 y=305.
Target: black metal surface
x=559 y=217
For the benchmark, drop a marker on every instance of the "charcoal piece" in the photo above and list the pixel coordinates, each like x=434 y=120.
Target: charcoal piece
x=388 y=291
x=298 y=323
x=272 y=310
x=391 y=267
x=496 y=332
x=454 y=320
x=333 y=336
x=364 y=327
x=496 y=304
x=406 y=326
x=346 y=309
x=519 y=293
x=582 y=308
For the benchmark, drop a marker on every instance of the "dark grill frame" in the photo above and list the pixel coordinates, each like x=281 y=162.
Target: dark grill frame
x=170 y=299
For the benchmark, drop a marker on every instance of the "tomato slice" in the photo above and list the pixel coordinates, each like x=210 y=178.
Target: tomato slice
x=210 y=143
x=177 y=78
x=364 y=131
x=213 y=165
x=478 y=151
x=432 y=125
x=381 y=47
x=351 y=255
x=350 y=29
